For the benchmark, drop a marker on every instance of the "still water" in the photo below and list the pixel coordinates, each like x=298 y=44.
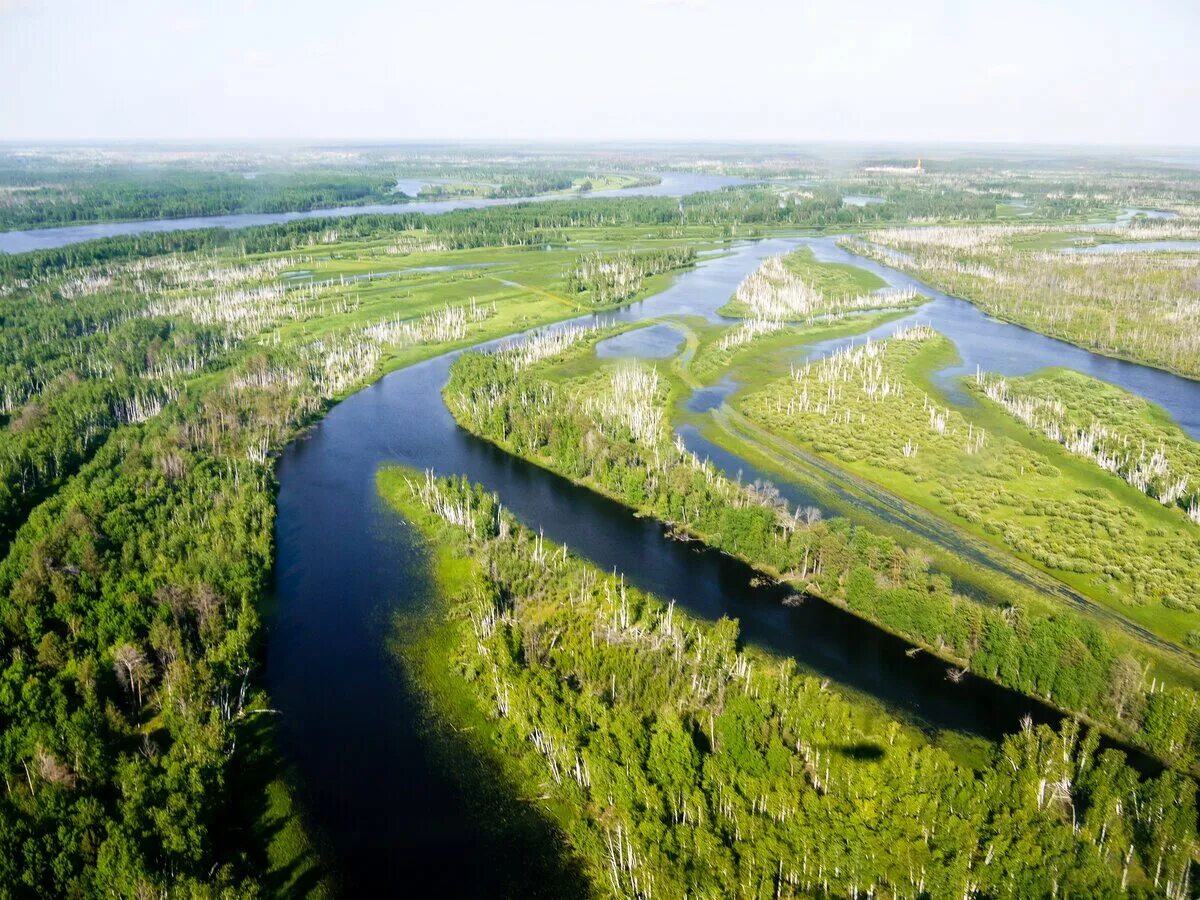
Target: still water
x=346 y=564
x=673 y=184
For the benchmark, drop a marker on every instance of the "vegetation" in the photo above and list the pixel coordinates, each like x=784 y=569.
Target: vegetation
x=145 y=399
x=1130 y=305
x=1119 y=432
x=776 y=292
x=606 y=429
x=620 y=276
x=868 y=408
x=39 y=193
x=147 y=383
x=815 y=285
x=681 y=763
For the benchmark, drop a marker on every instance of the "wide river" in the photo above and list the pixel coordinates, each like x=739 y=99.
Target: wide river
x=671 y=184
x=346 y=565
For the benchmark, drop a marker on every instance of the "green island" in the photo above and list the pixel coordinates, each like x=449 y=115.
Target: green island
x=676 y=761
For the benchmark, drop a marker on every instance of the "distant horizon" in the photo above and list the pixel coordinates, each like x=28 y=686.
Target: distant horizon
x=300 y=141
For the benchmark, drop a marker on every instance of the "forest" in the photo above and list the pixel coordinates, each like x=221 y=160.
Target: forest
x=56 y=192
x=686 y=764
x=608 y=430
x=149 y=385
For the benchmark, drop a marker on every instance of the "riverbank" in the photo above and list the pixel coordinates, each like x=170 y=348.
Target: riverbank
x=505 y=801
x=664 y=737
x=642 y=471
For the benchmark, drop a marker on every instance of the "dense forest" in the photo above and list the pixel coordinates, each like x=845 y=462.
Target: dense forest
x=55 y=196
x=108 y=196
x=688 y=765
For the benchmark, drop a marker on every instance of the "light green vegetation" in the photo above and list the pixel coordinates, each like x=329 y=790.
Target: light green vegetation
x=605 y=426
x=832 y=279
x=795 y=287
x=872 y=411
x=1118 y=431
x=678 y=762
x=978 y=568
x=1130 y=305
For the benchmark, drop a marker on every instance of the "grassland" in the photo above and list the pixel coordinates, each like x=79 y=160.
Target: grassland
x=833 y=279
x=1118 y=431
x=1131 y=305
x=875 y=414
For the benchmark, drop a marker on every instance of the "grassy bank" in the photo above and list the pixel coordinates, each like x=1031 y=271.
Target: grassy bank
x=877 y=415
x=679 y=762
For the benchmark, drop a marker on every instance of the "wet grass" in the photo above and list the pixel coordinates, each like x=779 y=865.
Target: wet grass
x=991 y=495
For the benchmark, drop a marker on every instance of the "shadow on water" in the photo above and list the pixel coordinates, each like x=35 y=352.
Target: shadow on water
x=392 y=805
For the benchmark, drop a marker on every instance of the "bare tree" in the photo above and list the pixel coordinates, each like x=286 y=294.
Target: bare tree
x=133 y=670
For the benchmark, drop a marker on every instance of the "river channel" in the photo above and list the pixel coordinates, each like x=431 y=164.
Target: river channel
x=346 y=564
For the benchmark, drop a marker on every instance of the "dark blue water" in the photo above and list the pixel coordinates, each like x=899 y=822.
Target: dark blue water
x=345 y=564
x=673 y=184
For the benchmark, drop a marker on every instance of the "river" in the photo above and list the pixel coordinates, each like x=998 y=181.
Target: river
x=672 y=184
x=346 y=564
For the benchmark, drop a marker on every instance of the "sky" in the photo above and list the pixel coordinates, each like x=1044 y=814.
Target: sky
x=1023 y=71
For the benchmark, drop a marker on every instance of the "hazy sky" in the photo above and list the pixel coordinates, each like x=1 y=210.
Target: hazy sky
x=1093 y=71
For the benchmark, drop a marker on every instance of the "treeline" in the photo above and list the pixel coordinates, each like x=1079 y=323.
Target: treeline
x=683 y=764
x=527 y=224
x=523 y=224
x=826 y=207
x=614 y=277
x=1064 y=657
x=75 y=197
x=72 y=373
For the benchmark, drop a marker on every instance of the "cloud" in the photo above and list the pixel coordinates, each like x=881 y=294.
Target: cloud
x=15 y=7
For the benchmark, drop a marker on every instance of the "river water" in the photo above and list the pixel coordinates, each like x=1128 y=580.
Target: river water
x=346 y=564
x=672 y=184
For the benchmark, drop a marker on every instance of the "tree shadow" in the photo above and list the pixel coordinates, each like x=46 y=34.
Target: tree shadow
x=863 y=751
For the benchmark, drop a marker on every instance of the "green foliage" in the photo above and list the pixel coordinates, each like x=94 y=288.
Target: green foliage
x=683 y=764
x=868 y=410
x=616 y=277
x=1063 y=658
